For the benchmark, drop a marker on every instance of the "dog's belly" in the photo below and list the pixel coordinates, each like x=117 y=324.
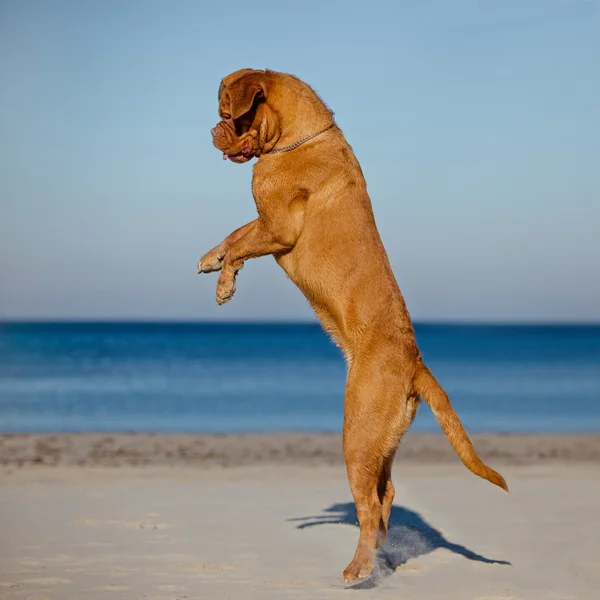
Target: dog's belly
x=346 y=287
x=319 y=293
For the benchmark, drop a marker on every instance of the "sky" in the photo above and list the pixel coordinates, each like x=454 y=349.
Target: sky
x=477 y=125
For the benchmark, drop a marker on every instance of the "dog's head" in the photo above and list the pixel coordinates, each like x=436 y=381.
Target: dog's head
x=248 y=126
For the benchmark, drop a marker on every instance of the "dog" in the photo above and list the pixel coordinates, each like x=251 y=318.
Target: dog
x=315 y=218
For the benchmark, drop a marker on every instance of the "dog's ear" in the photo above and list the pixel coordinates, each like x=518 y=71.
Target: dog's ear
x=243 y=91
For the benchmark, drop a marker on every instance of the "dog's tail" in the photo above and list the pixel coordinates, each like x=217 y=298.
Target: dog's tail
x=432 y=392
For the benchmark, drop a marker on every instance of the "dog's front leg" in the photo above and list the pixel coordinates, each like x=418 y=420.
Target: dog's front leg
x=261 y=240
x=213 y=259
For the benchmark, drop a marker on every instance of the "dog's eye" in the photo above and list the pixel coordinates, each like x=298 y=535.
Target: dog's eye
x=226 y=117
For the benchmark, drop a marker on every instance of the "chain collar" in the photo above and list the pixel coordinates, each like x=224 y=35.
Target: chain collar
x=300 y=142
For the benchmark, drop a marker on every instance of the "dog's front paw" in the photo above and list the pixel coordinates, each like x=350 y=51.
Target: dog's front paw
x=211 y=261
x=225 y=290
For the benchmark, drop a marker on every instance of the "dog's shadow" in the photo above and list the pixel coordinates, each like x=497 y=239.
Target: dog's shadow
x=409 y=536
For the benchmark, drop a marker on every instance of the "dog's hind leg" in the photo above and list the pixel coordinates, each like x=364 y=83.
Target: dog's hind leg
x=375 y=417
x=385 y=487
x=386 y=493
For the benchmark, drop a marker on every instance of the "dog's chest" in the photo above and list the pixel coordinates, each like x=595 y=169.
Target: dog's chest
x=272 y=190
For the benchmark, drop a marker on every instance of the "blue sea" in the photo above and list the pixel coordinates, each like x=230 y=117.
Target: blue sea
x=165 y=377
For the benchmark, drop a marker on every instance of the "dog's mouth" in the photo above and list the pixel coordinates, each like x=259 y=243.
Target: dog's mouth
x=237 y=158
x=239 y=148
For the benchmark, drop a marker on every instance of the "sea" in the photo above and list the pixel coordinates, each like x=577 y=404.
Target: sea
x=257 y=377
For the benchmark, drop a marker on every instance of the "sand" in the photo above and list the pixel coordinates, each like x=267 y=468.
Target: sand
x=283 y=527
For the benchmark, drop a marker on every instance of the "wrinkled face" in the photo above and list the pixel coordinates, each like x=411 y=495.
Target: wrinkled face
x=241 y=104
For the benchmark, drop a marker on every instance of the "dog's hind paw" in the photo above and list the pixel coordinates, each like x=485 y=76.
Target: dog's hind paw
x=355 y=572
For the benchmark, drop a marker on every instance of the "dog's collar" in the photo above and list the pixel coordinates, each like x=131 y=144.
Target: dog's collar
x=300 y=142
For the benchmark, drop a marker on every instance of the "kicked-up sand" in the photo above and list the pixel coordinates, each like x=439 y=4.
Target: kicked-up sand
x=75 y=527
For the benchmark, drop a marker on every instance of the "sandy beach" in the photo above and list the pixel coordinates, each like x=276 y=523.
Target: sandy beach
x=259 y=517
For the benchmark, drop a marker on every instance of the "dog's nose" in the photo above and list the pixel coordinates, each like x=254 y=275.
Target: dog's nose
x=213 y=131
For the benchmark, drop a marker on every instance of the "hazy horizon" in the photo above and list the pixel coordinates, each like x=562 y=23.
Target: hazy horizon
x=312 y=321
x=476 y=125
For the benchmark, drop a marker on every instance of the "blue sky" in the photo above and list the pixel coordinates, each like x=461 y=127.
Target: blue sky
x=477 y=124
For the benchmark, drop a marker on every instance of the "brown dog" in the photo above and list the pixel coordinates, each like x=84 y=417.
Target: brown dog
x=315 y=218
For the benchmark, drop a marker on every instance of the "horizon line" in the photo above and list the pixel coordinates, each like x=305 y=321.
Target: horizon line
x=287 y=322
